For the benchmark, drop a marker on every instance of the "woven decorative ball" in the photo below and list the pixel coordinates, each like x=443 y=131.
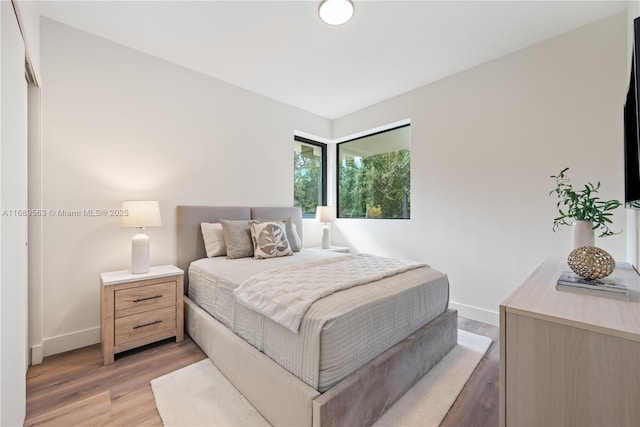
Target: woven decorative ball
x=591 y=263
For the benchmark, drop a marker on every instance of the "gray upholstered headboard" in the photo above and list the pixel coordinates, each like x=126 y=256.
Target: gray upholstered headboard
x=189 y=237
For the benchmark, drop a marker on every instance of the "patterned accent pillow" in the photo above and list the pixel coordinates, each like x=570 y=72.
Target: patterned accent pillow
x=237 y=237
x=292 y=233
x=269 y=239
x=213 y=237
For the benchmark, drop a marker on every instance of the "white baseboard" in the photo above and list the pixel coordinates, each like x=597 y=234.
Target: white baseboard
x=66 y=342
x=475 y=313
x=36 y=354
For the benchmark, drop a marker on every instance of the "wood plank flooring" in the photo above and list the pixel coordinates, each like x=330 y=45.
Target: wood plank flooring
x=75 y=389
x=477 y=404
x=114 y=395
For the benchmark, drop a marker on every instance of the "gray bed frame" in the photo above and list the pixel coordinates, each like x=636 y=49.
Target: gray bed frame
x=283 y=399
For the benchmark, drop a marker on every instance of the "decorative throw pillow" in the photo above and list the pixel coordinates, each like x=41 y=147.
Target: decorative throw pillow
x=270 y=239
x=213 y=237
x=237 y=237
x=292 y=234
x=296 y=238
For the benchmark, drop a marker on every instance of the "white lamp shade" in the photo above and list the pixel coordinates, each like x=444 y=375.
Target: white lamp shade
x=336 y=12
x=140 y=213
x=326 y=214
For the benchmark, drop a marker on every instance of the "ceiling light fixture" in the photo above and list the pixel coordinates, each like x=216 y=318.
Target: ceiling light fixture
x=336 y=12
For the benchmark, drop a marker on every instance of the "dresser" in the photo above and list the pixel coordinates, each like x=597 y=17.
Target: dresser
x=138 y=309
x=569 y=359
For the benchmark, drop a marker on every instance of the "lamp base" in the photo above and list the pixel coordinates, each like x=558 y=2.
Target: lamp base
x=326 y=237
x=140 y=254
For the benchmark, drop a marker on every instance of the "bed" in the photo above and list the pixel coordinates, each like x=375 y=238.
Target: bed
x=357 y=350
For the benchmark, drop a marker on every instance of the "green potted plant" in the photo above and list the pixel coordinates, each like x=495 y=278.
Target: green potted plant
x=582 y=210
x=374 y=212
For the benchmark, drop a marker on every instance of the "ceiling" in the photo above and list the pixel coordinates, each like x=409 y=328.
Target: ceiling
x=281 y=49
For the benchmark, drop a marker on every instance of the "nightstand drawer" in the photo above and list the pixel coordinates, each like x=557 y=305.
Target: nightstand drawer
x=137 y=326
x=144 y=298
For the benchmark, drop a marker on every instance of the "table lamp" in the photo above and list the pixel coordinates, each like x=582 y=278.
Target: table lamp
x=326 y=214
x=140 y=214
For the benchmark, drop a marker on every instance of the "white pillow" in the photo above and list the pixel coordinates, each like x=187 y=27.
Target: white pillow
x=213 y=239
x=296 y=237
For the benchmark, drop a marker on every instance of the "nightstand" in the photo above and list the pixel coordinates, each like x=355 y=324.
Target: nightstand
x=344 y=249
x=138 y=309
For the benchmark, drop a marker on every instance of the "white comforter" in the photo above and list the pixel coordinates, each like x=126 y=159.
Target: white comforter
x=284 y=295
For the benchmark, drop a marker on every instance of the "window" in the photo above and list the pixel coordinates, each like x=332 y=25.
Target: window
x=374 y=175
x=309 y=175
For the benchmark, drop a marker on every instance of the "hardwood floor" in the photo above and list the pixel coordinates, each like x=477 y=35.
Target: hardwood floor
x=76 y=389
x=478 y=403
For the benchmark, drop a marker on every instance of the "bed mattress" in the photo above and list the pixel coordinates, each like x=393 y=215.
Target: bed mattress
x=339 y=333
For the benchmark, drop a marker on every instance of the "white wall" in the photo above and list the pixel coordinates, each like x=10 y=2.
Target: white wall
x=13 y=226
x=484 y=143
x=122 y=125
x=633 y=11
x=633 y=215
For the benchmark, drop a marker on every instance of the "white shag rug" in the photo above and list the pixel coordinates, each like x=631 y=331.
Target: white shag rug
x=199 y=395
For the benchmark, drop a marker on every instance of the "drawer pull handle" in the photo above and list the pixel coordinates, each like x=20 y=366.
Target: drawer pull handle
x=155 y=322
x=147 y=299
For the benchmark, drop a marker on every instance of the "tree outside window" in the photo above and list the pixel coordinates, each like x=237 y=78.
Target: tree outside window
x=374 y=174
x=309 y=166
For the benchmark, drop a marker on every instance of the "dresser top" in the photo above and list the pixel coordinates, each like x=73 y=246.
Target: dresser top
x=538 y=298
x=124 y=276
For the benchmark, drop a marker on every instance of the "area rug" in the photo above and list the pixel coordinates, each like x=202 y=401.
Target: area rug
x=199 y=395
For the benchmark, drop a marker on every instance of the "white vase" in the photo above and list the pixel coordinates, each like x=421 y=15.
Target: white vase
x=582 y=234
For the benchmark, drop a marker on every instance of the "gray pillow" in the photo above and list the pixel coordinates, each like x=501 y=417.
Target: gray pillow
x=237 y=238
